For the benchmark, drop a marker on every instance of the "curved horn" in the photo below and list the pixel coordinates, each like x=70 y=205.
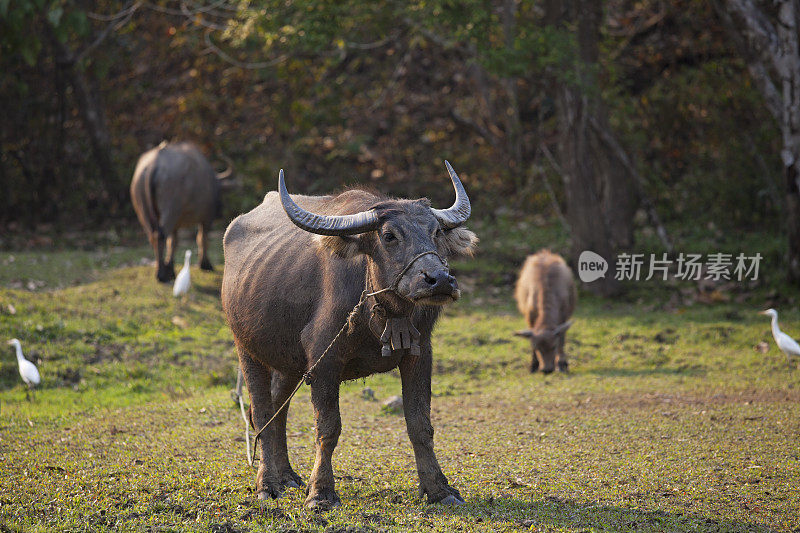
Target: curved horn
x=225 y=174
x=459 y=212
x=326 y=224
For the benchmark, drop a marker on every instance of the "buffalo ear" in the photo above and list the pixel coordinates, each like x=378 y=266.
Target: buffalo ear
x=562 y=328
x=459 y=242
x=345 y=246
x=524 y=333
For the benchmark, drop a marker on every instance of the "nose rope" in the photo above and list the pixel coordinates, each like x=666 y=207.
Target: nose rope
x=393 y=287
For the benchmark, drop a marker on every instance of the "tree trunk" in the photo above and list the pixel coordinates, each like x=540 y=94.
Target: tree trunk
x=601 y=200
x=589 y=229
x=617 y=196
x=90 y=109
x=772 y=52
x=790 y=125
x=513 y=125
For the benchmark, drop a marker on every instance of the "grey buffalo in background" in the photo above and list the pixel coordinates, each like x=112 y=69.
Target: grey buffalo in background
x=289 y=285
x=545 y=295
x=174 y=186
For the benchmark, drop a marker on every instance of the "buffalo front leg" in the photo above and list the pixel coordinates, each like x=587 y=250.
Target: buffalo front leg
x=325 y=399
x=202 y=246
x=562 y=362
x=415 y=373
x=282 y=387
x=258 y=379
x=534 y=361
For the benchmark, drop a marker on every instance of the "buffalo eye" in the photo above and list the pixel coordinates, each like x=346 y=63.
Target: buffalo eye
x=388 y=236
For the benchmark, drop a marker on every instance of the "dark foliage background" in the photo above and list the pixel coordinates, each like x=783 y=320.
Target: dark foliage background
x=381 y=96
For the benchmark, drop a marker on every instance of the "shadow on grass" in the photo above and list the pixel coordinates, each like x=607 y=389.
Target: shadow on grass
x=569 y=514
x=210 y=290
x=610 y=371
x=9 y=375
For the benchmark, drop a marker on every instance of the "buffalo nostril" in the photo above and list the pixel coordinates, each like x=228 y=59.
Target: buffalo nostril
x=440 y=280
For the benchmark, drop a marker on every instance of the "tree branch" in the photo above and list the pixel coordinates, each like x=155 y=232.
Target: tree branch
x=125 y=15
x=772 y=97
x=619 y=152
x=761 y=34
x=124 y=12
x=253 y=66
x=755 y=65
x=478 y=128
x=396 y=73
x=550 y=193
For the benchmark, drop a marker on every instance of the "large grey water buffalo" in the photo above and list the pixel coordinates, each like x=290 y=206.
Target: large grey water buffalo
x=545 y=295
x=289 y=285
x=175 y=187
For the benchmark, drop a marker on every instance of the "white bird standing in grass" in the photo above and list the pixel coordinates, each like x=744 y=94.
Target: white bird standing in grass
x=183 y=280
x=786 y=344
x=28 y=371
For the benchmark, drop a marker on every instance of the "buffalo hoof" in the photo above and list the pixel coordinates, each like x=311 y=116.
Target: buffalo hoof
x=563 y=367
x=270 y=490
x=291 y=480
x=165 y=273
x=268 y=494
x=205 y=264
x=264 y=495
x=323 y=500
x=452 y=500
x=294 y=482
x=447 y=496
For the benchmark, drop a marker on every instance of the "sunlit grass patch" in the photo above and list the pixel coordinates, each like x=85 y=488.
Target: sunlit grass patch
x=669 y=419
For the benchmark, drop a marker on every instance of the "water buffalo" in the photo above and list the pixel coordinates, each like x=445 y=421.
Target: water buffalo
x=175 y=187
x=290 y=283
x=545 y=295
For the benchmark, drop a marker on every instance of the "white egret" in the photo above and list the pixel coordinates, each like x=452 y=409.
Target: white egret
x=183 y=279
x=786 y=344
x=28 y=371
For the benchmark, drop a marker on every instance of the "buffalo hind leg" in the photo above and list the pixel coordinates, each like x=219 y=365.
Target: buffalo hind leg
x=172 y=246
x=282 y=387
x=202 y=246
x=258 y=379
x=415 y=374
x=163 y=273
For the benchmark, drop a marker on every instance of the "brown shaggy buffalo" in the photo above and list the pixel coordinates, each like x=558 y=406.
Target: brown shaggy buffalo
x=175 y=187
x=289 y=285
x=545 y=295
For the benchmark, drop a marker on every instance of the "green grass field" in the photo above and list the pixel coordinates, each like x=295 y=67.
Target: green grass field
x=670 y=419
